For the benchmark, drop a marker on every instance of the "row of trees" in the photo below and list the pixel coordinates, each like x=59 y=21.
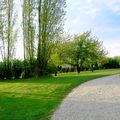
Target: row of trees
x=42 y=21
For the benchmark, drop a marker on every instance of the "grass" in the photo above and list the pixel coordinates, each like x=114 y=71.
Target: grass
x=37 y=99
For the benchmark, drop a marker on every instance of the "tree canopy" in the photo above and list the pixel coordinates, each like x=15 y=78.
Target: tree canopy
x=82 y=49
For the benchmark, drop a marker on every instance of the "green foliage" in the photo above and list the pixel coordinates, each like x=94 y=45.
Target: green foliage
x=51 y=68
x=27 y=69
x=50 y=22
x=83 y=50
x=111 y=63
x=2 y=70
x=17 y=68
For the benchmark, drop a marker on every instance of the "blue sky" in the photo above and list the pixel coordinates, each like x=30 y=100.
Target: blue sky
x=102 y=17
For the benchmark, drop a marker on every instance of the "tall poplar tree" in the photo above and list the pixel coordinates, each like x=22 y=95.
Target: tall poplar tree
x=50 y=19
x=8 y=33
x=29 y=31
x=11 y=34
x=2 y=29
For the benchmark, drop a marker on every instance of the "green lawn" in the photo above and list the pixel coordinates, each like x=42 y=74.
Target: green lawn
x=37 y=99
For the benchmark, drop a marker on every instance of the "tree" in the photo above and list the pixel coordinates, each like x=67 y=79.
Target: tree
x=8 y=33
x=29 y=31
x=96 y=52
x=2 y=37
x=11 y=35
x=83 y=49
x=2 y=29
x=50 y=20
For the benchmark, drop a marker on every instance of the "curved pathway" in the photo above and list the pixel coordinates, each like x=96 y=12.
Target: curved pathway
x=98 y=99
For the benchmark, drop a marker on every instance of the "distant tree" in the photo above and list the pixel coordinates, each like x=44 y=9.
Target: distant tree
x=83 y=49
x=111 y=63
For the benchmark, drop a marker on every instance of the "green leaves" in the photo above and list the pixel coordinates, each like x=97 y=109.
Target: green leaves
x=83 y=49
x=50 y=20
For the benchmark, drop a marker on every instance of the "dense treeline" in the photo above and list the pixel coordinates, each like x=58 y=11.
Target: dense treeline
x=42 y=22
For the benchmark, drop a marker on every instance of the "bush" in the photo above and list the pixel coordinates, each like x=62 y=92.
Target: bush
x=51 y=69
x=9 y=74
x=17 y=68
x=111 y=63
x=2 y=70
x=26 y=69
x=59 y=68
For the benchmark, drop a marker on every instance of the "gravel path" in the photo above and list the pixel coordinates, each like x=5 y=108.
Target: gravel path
x=98 y=99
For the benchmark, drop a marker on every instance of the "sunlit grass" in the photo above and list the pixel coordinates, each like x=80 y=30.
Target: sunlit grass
x=37 y=99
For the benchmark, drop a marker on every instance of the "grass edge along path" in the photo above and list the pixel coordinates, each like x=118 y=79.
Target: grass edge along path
x=38 y=98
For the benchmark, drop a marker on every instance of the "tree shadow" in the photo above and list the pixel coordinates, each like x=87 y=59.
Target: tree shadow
x=55 y=80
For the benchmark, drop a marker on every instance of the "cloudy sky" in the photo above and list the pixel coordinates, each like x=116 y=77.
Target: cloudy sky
x=102 y=17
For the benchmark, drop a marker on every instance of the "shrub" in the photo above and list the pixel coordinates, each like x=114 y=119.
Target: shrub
x=26 y=69
x=2 y=70
x=51 y=69
x=17 y=68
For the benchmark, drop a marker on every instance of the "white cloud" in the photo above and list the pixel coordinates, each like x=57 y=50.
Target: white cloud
x=114 y=5
x=92 y=12
x=113 y=49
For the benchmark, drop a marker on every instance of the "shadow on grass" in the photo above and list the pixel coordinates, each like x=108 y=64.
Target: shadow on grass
x=56 y=80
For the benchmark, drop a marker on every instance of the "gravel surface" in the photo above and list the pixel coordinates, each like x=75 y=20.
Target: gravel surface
x=98 y=99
